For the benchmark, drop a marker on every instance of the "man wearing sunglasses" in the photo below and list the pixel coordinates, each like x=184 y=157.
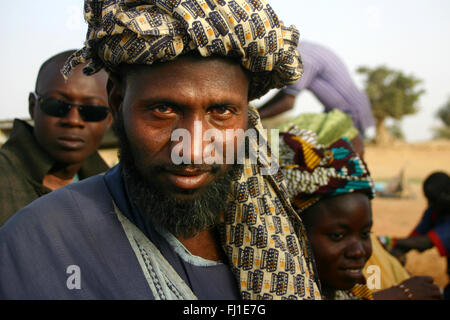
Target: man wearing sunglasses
x=70 y=120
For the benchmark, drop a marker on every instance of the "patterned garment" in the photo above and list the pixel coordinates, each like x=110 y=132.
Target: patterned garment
x=313 y=171
x=264 y=237
x=358 y=292
x=163 y=280
x=147 y=31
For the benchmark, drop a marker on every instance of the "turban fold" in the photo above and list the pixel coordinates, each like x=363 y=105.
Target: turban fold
x=263 y=235
x=149 y=31
x=313 y=171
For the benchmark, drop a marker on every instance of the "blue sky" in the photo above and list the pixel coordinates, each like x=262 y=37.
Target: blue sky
x=412 y=36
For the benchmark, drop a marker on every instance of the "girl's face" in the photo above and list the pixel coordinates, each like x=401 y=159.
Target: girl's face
x=339 y=232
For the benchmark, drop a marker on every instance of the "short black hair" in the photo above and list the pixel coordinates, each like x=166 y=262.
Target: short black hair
x=62 y=56
x=436 y=188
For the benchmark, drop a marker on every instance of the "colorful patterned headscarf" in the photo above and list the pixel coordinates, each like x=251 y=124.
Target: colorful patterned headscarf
x=313 y=171
x=149 y=31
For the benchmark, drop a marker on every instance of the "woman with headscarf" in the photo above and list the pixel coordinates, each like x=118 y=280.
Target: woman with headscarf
x=327 y=184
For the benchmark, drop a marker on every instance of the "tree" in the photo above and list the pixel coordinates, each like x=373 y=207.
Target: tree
x=396 y=131
x=444 y=115
x=392 y=94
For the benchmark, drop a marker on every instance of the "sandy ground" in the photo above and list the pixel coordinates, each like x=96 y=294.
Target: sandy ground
x=397 y=217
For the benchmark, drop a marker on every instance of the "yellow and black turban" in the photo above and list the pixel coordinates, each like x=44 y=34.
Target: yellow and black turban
x=148 y=31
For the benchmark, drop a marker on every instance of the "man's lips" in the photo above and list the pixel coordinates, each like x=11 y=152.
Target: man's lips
x=71 y=142
x=188 y=178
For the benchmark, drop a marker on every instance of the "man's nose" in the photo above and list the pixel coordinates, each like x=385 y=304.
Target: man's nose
x=192 y=145
x=73 y=118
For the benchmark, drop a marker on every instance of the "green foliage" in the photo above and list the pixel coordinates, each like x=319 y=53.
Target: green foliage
x=444 y=115
x=396 y=131
x=442 y=133
x=391 y=92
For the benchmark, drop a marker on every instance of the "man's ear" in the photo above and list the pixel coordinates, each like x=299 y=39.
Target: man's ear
x=115 y=90
x=32 y=104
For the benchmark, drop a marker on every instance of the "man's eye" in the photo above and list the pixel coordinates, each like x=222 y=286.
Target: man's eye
x=336 y=236
x=221 y=112
x=163 y=110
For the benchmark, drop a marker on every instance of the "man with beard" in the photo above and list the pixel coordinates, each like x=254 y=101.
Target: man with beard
x=152 y=228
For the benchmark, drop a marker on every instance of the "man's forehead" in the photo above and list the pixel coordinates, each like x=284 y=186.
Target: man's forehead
x=187 y=75
x=51 y=79
x=50 y=73
x=181 y=62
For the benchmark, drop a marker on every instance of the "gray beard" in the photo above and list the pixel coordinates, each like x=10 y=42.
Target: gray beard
x=184 y=218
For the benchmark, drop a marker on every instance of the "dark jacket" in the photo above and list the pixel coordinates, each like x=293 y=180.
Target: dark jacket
x=23 y=165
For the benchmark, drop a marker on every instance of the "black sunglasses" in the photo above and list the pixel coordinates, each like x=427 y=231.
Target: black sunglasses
x=58 y=108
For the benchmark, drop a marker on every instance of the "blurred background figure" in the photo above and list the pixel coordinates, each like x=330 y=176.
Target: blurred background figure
x=433 y=229
x=70 y=118
x=327 y=77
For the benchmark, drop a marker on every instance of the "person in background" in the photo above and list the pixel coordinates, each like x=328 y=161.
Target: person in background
x=327 y=77
x=70 y=119
x=433 y=230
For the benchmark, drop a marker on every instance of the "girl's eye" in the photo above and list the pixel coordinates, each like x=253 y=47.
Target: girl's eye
x=336 y=236
x=365 y=234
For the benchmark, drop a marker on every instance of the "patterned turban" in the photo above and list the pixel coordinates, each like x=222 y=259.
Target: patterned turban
x=148 y=31
x=263 y=236
x=313 y=171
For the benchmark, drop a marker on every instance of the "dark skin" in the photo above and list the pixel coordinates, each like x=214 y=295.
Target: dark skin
x=339 y=232
x=69 y=140
x=422 y=288
x=156 y=100
x=358 y=145
x=338 y=229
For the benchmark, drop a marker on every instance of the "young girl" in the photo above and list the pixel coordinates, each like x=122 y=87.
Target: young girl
x=338 y=226
x=330 y=187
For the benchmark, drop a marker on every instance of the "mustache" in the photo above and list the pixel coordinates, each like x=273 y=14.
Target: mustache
x=213 y=168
